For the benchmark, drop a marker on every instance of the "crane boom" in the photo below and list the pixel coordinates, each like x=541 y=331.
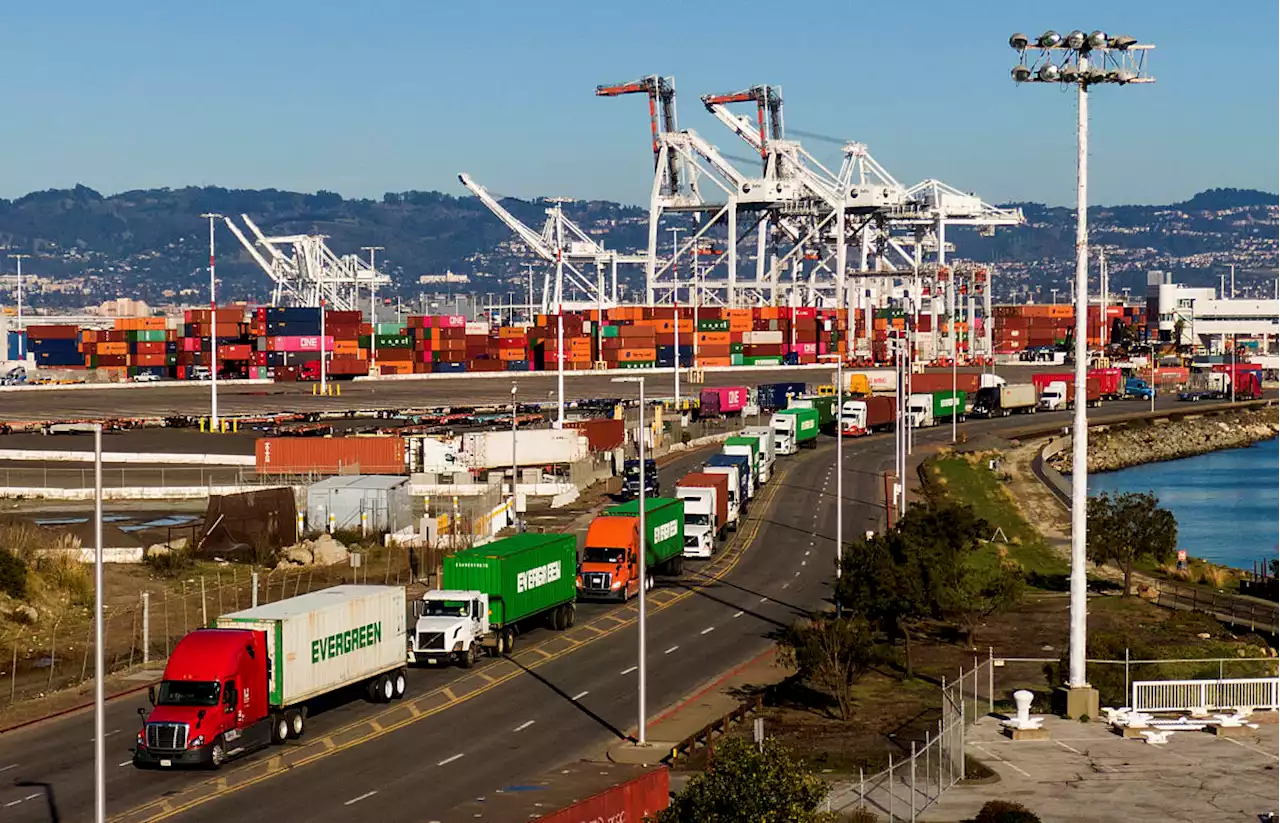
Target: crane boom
x=662 y=98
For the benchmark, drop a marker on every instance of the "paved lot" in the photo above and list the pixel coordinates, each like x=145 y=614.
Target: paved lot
x=1086 y=772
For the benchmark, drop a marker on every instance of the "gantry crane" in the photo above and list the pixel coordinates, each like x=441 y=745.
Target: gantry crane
x=564 y=244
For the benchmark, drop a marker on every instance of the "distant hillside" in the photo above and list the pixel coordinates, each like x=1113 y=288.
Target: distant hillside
x=141 y=243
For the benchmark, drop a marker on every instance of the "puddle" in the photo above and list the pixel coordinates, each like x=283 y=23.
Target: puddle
x=171 y=520
x=69 y=521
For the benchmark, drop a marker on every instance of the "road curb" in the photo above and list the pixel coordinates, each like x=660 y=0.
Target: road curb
x=80 y=707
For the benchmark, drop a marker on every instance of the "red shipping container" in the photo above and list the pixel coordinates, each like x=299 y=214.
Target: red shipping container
x=602 y=434
x=579 y=793
x=719 y=482
x=60 y=332
x=300 y=343
x=724 y=399
x=449 y=321
x=329 y=455
x=941 y=381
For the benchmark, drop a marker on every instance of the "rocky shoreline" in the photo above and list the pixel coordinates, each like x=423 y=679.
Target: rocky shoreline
x=1143 y=441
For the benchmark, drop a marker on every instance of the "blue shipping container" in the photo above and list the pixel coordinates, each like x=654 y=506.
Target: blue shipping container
x=774 y=395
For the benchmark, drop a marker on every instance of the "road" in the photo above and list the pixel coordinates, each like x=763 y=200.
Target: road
x=463 y=734
x=166 y=399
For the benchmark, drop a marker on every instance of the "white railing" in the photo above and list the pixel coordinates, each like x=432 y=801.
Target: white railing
x=1182 y=695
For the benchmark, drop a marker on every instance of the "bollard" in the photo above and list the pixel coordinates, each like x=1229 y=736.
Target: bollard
x=332 y=522
x=146 y=628
x=364 y=524
x=337 y=389
x=300 y=526
x=235 y=426
x=202 y=425
x=204 y=607
x=255 y=590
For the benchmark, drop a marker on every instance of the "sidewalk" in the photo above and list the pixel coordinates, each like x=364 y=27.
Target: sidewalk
x=704 y=705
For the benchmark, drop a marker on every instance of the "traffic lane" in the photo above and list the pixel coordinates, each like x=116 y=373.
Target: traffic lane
x=740 y=626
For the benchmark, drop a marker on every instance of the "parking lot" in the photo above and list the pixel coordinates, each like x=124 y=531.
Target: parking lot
x=1087 y=772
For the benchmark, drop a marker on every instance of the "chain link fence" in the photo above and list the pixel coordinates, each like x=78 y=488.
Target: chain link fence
x=43 y=659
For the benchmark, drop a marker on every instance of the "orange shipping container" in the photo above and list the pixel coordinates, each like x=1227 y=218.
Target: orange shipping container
x=329 y=455
x=346 y=347
x=637 y=355
x=113 y=348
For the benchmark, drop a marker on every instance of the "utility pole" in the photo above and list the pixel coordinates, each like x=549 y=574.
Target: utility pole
x=373 y=308
x=22 y=338
x=675 y=308
x=214 y=424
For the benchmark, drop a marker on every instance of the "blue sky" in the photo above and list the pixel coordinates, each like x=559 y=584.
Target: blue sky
x=366 y=97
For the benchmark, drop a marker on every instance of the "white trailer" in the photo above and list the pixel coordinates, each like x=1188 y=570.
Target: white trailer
x=768 y=446
x=533 y=447
x=699 y=517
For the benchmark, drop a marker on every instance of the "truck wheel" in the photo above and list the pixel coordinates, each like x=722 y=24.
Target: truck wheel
x=571 y=616
x=297 y=723
x=468 y=658
x=279 y=729
x=509 y=640
x=386 y=689
x=217 y=755
x=401 y=683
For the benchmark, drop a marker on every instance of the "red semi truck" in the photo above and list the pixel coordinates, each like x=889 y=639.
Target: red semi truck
x=1110 y=382
x=1056 y=390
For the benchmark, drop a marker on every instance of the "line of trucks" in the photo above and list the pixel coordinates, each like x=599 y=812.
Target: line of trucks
x=248 y=681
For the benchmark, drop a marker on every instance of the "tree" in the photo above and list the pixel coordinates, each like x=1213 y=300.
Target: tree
x=831 y=653
x=743 y=783
x=911 y=572
x=1130 y=527
x=982 y=590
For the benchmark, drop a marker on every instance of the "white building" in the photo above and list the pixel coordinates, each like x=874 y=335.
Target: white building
x=1207 y=318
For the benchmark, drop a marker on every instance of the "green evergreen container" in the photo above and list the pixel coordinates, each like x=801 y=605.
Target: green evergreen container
x=523 y=575
x=663 y=520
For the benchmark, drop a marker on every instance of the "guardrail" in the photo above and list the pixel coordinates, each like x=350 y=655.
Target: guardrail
x=718 y=727
x=1237 y=611
x=1184 y=695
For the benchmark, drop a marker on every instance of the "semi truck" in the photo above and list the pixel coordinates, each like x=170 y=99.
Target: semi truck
x=824 y=404
x=924 y=410
x=610 y=567
x=249 y=682
x=490 y=593
x=1060 y=394
x=869 y=381
x=533 y=447
x=1002 y=401
x=722 y=400
x=794 y=429
x=1110 y=382
x=737 y=493
x=706 y=511
x=746 y=473
x=774 y=396
x=631 y=479
x=1217 y=386
x=748 y=447
x=862 y=417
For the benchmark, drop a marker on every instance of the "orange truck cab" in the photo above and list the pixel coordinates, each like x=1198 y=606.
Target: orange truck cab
x=610 y=567
x=212 y=704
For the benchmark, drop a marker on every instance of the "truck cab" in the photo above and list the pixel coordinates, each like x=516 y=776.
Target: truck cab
x=920 y=410
x=736 y=500
x=212 y=704
x=1136 y=387
x=854 y=416
x=699 y=520
x=1054 y=396
x=451 y=626
x=610 y=566
x=784 y=433
x=631 y=479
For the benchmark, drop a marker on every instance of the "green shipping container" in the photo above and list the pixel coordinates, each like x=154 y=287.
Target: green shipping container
x=753 y=443
x=394 y=329
x=638 y=364
x=608 y=331
x=944 y=406
x=824 y=404
x=524 y=575
x=806 y=423
x=735 y=348
x=760 y=360
x=145 y=336
x=736 y=359
x=394 y=341
x=664 y=520
x=712 y=325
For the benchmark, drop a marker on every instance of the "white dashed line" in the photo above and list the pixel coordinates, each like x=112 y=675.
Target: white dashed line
x=449 y=760
x=786 y=585
x=670 y=650
x=364 y=796
x=580 y=695
x=10 y=766
x=797 y=574
x=32 y=796
x=526 y=724
x=127 y=763
x=764 y=600
x=708 y=630
x=628 y=671
x=12 y=803
x=738 y=614
x=806 y=553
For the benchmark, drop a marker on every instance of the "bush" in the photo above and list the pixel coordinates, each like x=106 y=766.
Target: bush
x=1004 y=811
x=67 y=574
x=171 y=563
x=13 y=575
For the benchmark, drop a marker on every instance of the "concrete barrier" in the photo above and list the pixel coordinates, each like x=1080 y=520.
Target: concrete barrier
x=145 y=458
x=523 y=375
x=169 y=384
x=129 y=492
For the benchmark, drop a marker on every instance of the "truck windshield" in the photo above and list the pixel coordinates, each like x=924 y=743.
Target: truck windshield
x=188 y=693
x=693 y=519
x=603 y=554
x=444 y=608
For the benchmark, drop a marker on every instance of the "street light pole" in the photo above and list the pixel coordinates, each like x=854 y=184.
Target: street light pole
x=515 y=464
x=1066 y=60
x=675 y=307
x=22 y=340
x=373 y=309
x=213 y=330
x=99 y=665
x=839 y=466
x=642 y=669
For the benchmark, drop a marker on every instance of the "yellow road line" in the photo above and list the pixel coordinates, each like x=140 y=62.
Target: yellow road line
x=162 y=809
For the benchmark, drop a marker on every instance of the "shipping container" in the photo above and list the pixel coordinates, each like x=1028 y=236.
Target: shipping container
x=533 y=447
x=772 y=396
x=585 y=792
x=795 y=428
x=664 y=521
x=602 y=433
x=723 y=400
x=524 y=575
x=720 y=484
x=330 y=455
x=326 y=640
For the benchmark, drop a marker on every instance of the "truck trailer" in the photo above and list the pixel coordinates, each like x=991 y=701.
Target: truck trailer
x=490 y=593
x=610 y=567
x=1002 y=401
x=737 y=493
x=924 y=410
x=249 y=682
x=748 y=447
x=768 y=445
x=774 y=396
x=746 y=474
x=722 y=400
x=873 y=413
x=824 y=404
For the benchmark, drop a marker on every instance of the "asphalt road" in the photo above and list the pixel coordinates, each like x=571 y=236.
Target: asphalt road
x=165 y=399
x=463 y=734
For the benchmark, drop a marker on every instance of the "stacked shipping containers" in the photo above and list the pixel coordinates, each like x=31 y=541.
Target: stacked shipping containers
x=1018 y=328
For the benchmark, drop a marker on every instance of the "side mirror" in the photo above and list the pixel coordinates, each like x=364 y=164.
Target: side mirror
x=200 y=717
x=142 y=713
x=151 y=695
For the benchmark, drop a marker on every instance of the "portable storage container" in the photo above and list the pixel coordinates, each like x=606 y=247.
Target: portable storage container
x=325 y=640
x=330 y=455
x=380 y=503
x=524 y=574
